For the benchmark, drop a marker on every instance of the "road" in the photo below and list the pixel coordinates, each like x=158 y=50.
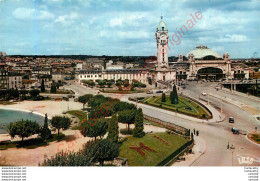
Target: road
x=216 y=135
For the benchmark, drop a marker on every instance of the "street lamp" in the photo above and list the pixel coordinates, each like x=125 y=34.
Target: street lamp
x=221 y=108
x=87 y=116
x=208 y=98
x=232 y=148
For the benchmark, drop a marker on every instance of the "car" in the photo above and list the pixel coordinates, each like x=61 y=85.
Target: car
x=204 y=93
x=231 y=120
x=235 y=131
x=149 y=92
x=159 y=91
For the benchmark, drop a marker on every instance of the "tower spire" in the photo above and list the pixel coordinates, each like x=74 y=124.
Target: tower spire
x=161 y=17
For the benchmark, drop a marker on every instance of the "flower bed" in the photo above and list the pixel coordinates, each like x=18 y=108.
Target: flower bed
x=162 y=140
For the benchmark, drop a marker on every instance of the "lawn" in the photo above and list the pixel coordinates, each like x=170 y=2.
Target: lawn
x=184 y=106
x=152 y=158
x=79 y=114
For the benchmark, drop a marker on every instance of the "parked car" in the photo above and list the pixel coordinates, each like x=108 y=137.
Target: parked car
x=204 y=93
x=231 y=120
x=159 y=91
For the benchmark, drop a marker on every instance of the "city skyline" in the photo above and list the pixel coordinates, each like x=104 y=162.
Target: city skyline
x=60 y=27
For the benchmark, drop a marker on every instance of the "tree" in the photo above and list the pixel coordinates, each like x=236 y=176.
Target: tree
x=163 y=97
x=53 y=89
x=42 y=86
x=101 y=150
x=3 y=93
x=101 y=84
x=23 y=92
x=94 y=128
x=109 y=84
x=23 y=129
x=60 y=122
x=34 y=93
x=139 y=124
x=127 y=117
x=13 y=93
x=45 y=132
x=113 y=127
x=175 y=94
x=83 y=100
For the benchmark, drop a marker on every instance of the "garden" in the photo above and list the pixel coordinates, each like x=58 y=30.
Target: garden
x=184 y=106
x=151 y=149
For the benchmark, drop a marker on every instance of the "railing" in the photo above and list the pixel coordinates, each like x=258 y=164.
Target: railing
x=171 y=126
x=174 y=156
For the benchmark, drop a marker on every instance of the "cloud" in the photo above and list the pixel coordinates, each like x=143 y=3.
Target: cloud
x=116 y=22
x=29 y=13
x=233 y=38
x=67 y=20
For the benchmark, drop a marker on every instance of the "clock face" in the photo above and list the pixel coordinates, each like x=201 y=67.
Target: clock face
x=163 y=37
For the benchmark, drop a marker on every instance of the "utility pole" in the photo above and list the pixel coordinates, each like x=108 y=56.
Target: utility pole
x=208 y=98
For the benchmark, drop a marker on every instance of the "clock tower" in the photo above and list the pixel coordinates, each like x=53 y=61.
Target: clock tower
x=161 y=36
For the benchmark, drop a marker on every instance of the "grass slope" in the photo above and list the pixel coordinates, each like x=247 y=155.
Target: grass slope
x=162 y=150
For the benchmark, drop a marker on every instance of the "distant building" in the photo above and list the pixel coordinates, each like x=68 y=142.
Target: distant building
x=58 y=76
x=3 y=79
x=114 y=74
x=2 y=54
x=15 y=80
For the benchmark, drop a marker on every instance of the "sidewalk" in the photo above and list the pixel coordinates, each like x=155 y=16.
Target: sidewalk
x=198 y=149
x=240 y=94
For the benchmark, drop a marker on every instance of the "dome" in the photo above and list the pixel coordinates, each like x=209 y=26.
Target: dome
x=162 y=26
x=202 y=52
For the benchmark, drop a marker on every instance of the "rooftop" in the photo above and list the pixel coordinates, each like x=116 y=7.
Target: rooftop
x=200 y=52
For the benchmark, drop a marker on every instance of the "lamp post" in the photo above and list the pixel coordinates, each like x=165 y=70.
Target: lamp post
x=232 y=148
x=87 y=116
x=221 y=108
x=208 y=98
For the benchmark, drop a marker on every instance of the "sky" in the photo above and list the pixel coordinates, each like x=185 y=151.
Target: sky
x=127 y=27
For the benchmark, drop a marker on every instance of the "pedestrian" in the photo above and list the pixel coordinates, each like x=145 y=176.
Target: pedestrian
x=194 y=131
x=197 y=133
x=228 y=146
